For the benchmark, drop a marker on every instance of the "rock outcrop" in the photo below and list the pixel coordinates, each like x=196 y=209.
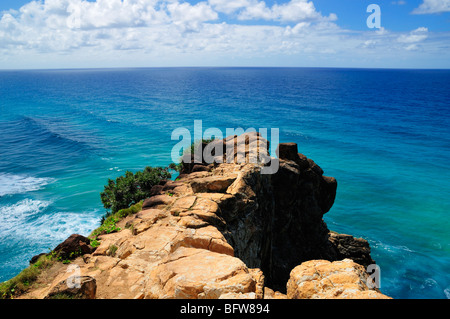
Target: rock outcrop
x=81 y=287
x=227 y=231
x=322 y=279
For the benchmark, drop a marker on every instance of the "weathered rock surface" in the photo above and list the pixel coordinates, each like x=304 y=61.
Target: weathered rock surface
x=347 y=246
x=74 y=246
x=322 y=279
x=225 y=230
x=81 y=287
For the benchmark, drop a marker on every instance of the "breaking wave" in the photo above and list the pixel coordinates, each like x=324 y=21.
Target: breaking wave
x=19 y=184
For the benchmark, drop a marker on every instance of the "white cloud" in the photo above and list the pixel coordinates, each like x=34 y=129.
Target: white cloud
x=414 y=36
x=381 y=31
x=230 y=6
x=255 y=11
x=190 y=16
x=295 y=10
x=433 y=6
x=412 y=47
x=105 y=33
x=67 y=25
x=292 y=11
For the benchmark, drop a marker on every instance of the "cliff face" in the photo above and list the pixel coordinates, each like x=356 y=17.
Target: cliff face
x=225 y=231
x=274 y=222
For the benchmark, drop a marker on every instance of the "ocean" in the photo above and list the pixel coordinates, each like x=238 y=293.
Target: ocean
x=383 y=134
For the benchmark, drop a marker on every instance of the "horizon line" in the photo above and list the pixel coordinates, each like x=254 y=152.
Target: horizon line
x=223 y=67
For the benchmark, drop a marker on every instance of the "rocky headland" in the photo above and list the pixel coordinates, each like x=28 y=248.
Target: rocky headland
x=222 y=231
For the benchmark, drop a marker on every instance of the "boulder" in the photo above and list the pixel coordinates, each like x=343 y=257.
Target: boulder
x=347 y=246
x=82 y=287
x=74 y=246
x=35 y=258
x=156 y=201
x=213 y=184
x=322 y=279
x=200 y=274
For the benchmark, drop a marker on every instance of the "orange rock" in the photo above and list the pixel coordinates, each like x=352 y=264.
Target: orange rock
x=191 y=273
x=321 y=279
x=270 y=294
x=180 y=244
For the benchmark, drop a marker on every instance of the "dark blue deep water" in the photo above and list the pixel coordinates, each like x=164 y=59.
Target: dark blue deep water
x=384 y=135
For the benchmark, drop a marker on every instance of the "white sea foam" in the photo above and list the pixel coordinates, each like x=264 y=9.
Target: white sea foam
x=447 y=292
x=33 y=220
x=392 y=248
x=58 y=226
x=19 y=184
x=14 y=216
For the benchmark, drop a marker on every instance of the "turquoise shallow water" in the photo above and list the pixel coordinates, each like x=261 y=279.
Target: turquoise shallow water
x=384 y=135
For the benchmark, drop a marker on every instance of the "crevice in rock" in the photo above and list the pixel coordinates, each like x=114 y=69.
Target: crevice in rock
x=275 y=222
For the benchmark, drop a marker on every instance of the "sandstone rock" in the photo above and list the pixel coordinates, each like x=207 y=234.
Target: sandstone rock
x=270 y=294
x=156 y=190
x=74 y=246
x=240 y=295
x=208 y=218
x=206 y=206
x=109 y=243
x=232 y=149
x=208 y=238
x=188 y=274
x=170 y=185
x=200 y=168
x=101 y=263
x=212 y=184
x=157 y=200
x=321 y=279
x=356 y=249
x=191 y=221
x=184 y=203
x=83 y=287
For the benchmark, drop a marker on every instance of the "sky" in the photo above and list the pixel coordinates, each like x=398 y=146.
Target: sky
x=49 y=34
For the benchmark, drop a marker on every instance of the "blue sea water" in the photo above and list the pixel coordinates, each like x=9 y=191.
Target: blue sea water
x=383 y=134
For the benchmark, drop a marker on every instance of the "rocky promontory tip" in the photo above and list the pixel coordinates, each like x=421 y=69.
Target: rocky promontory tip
x=225 y=230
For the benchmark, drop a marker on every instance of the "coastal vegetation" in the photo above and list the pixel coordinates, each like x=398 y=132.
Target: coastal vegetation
x=131 y=188
x=109 y=223
x=26 y=277
x=121 y=197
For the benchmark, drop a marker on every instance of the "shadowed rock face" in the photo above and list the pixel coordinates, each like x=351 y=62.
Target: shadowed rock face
x=226 y=231
x=274 y=222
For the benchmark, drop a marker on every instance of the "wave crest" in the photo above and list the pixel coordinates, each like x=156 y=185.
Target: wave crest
x=19 y=184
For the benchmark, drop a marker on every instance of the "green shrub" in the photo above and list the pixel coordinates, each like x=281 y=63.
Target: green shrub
x=130 y=188
x=176 y=167
x=108 y=226
x=109 y=222
x=112 y=250
x=20 y=283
